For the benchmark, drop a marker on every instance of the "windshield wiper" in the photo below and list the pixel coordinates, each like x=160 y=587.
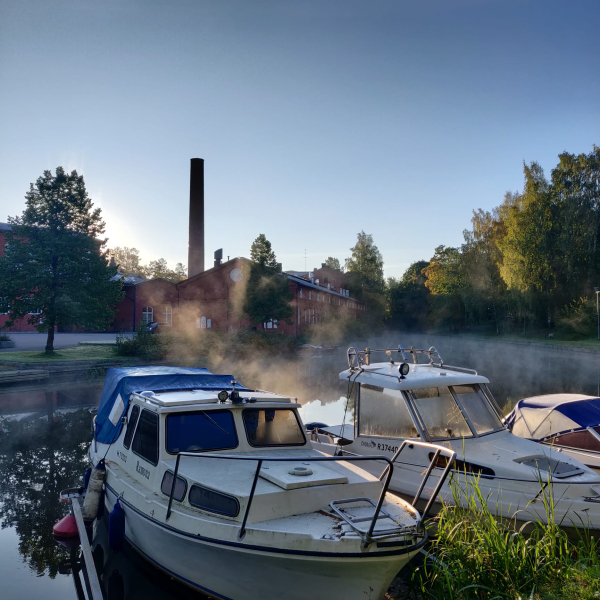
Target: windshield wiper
x=214 y=423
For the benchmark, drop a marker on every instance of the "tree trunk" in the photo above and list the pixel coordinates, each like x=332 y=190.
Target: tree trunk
x=50 y=340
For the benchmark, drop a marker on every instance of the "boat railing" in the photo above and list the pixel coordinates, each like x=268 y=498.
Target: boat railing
x=368 y=535
x=437 y=450
x=358 y=359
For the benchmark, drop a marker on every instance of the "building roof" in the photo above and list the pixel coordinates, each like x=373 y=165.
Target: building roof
x=131 y=279
x=213 y=269
x=319 y=288
x=5 y=227
x=302 y=274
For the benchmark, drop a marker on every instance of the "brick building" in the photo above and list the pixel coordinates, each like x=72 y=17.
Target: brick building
x=213 y=298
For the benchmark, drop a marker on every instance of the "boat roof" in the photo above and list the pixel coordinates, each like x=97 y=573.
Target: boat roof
x=121 y=382
x=170 y=399
x=538 y=417
x=420 y=376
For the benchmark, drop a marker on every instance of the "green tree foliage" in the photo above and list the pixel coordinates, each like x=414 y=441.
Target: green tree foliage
x=366 y=265
x=128 y=262
x=261 y=253
x=268 y=293
x=54 y=265
x=407 y=298
x=333 y=263
x=531 y=262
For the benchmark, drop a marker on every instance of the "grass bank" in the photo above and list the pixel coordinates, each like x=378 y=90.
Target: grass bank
x=77 y=353
x=475 y=556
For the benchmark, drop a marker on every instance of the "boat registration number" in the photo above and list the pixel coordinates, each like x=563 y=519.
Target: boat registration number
x=379 y=446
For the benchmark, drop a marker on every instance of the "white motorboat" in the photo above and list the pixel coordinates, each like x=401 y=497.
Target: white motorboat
x=569 y=423
x=397 y=403
x=221 y=488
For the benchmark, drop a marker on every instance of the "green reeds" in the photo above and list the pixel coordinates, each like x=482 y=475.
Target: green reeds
x=478 y=555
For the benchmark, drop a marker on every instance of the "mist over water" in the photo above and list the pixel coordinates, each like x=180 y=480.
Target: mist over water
x=46 y=431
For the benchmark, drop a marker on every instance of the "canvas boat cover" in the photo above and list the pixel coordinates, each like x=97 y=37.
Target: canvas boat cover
x=539 y=417
x=121 y=382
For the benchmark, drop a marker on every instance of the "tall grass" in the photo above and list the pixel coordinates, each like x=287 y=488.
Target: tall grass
x=476 y=555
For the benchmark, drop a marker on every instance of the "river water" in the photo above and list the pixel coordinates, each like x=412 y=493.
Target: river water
x=45 y=432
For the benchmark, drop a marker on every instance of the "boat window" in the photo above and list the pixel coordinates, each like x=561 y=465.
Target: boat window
x=145 y=442
x=273 y=427
x=462 y=466
x=383 y=412
x=180 y=486
x=440 y=413
x=202 y=497
x=133 y=417
x=477 y=408
x=201 y=431
x=581 y=440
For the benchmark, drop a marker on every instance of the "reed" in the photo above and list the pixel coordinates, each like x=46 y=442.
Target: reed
x=476 y=555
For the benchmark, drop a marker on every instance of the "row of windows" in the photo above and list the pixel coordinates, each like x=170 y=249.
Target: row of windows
x=331 y=299
x=4 y=307
x=211 y=430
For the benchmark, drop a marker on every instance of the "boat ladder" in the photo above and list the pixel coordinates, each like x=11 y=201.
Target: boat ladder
x=373 y=533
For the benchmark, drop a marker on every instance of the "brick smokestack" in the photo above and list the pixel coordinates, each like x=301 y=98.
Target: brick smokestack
x=196 y=224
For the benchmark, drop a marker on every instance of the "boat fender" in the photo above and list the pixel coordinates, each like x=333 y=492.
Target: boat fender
x=116 y=527
x=94 y=489
x=86 y=477
x=66 y=528
x=100 y=513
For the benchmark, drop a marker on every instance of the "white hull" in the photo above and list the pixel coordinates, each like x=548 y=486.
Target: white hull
x=240 y=572
x=506 y=495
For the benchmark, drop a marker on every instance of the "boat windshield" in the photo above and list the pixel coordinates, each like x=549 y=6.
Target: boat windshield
x=202 y=430
x=273 y=427
x=383 y=412
x=440 y=413
x=477 y=408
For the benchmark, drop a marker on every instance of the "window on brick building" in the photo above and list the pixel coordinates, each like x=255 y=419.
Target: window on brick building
x=147 y=314
x=270 y=324
x=305 y=317
x=298 y=315
x=329 y=296
x=318 y=296
x=300 y=293
x=309 y=295
x=167 y=315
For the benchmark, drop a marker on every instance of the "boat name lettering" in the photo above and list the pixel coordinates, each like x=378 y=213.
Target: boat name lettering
x=122 y=456
x=379 y=446
x=142 y=471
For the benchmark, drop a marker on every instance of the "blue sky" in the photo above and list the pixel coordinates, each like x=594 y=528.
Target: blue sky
x=316 y=118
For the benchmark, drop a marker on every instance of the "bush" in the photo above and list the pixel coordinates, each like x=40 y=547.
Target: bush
x=4 y=337
x=579 y=318
x=142 y=344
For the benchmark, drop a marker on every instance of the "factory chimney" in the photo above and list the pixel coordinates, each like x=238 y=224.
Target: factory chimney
x=196 y=222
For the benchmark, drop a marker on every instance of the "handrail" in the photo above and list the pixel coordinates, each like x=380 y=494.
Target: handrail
x=388 y=470
x=432 y=464
x=363 y=357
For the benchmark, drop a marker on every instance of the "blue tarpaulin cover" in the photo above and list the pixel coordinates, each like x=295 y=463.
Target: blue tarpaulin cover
x=125 y=380
x=539 y=417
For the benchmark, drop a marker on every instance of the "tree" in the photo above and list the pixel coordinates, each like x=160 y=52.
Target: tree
x=54 y=269
x=268 y=293
x=127 y=260
x=406 y=298
x=366 y=264
x=333 y=263
x=262 y=254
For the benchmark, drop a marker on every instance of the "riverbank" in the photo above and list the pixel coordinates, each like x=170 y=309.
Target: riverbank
x=587 y=345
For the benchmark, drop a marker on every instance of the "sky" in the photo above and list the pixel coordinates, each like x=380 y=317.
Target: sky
x=316 y=118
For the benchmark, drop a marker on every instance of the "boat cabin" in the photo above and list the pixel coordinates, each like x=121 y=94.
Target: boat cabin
x=428 y=402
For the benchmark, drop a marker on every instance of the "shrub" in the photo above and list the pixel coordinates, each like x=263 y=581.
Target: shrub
x=142 y=344
x=4 y=337
x=579 y=317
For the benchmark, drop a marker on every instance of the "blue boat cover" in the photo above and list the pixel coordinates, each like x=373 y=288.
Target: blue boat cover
x=121 y=382
x=542 y=416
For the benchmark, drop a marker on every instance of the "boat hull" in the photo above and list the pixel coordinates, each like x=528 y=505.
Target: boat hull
x=238 y=572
